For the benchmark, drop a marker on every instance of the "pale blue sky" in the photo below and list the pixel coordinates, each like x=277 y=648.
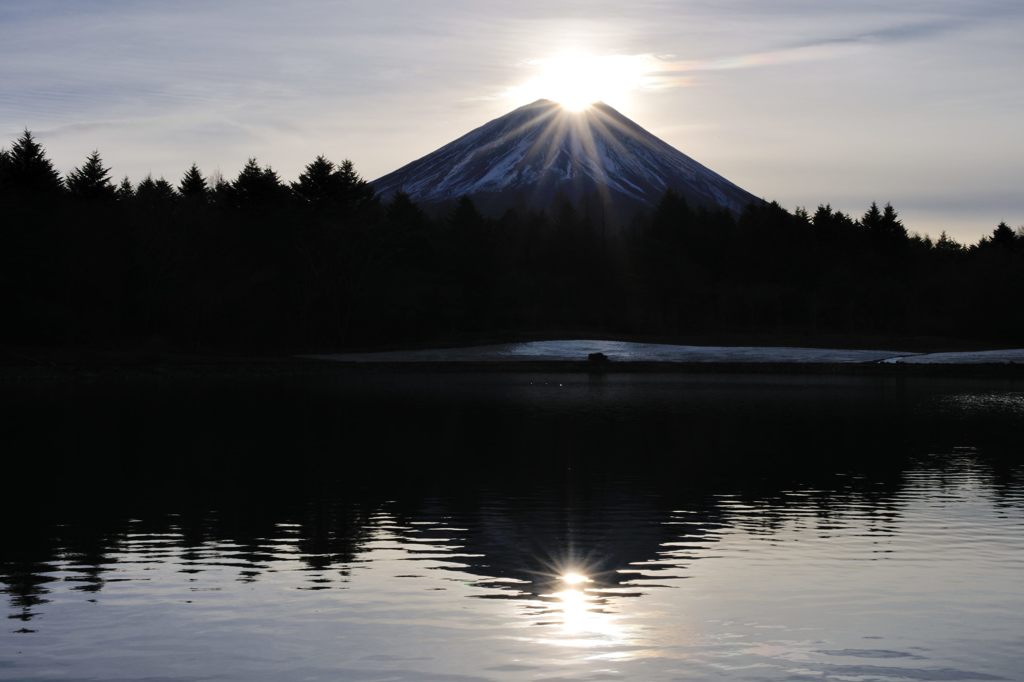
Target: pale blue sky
x=917 y=102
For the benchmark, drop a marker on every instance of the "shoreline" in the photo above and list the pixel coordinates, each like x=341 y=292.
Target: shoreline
x=567 y=356
x=290 y=367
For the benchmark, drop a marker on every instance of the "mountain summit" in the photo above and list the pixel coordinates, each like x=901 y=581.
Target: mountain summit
x=541 y=153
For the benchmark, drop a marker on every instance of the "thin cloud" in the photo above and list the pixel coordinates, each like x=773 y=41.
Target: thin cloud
x=814 y=50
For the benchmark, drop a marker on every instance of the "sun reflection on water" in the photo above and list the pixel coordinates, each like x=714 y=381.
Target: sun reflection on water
x=582 y=619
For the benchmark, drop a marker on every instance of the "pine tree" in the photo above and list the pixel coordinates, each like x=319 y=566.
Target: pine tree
x=356 y=192
x=165 y=190
x=404 y=214
x=5 y=164
x=671 y=214
x=28 y=171
x=155 y=192
x=872 y=220
x=125 y=191
x=257 y=186
x=322 y=182
x=91 y=181
x=146 y=188
x=319 y=183
x=193 y=186
x=1003 y=236
x=891 y=226
x=844 y=221
x=221 y=192
x=822 y=216
x=947 y=245
x=465 y=218
x=831 y=223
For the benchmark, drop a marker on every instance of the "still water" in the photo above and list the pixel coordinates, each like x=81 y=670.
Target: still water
x=384 y=526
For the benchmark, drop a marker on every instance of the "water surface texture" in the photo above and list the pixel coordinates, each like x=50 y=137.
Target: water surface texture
x=514 y=527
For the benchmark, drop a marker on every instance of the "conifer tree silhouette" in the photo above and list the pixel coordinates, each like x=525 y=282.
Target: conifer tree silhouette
x=355 y=191
x=155 y=192
x=466 y=218
x=256 y=186
x=125 y=190
x=319 y=183
x=146 y=187
x=890 y=225
x=222 y=194
x=403 y=213
x=193 y=185
x=1003 y=236
x=948 y=245
x=91 y=180
x=29 y=173
x=872 y=220
x=671 y=217
x=5 y=163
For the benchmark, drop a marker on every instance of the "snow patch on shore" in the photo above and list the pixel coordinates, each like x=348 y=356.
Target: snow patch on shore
x=980 y=357
x=618 y=351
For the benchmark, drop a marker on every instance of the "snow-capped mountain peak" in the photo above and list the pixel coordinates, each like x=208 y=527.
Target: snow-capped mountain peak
x=541 y=152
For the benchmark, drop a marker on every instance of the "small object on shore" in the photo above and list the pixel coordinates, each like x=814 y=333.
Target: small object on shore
x=598 y=359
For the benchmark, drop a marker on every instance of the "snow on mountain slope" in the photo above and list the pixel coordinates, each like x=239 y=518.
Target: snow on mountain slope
x=540 y=153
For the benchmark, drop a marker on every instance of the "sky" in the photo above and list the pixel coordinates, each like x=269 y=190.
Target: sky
x=915 y=102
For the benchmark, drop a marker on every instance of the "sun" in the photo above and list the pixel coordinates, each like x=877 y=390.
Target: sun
x=574 y=578
x=577 y=80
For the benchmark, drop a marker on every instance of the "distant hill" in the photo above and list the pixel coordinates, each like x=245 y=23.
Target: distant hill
x=541 y=154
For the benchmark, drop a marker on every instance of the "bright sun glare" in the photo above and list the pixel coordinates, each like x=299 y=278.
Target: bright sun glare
x=585 y=623
x=577 y=80
x=575 y=578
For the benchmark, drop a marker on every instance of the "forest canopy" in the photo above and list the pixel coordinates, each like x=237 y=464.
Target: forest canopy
x=258 y=262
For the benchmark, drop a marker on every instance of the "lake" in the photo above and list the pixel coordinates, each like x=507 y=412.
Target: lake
x=402 y=525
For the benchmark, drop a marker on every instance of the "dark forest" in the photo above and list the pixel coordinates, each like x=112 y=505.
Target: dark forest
x=258 y=263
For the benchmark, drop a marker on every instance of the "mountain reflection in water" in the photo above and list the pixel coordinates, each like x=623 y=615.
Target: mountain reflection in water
x=380 y=526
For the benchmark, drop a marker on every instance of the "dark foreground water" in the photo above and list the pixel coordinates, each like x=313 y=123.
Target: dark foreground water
x=385 y=527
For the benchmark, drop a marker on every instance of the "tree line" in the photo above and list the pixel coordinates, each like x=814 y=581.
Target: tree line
x=260 y=263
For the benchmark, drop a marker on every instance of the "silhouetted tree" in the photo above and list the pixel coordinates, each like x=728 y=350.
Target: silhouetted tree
x=91 y=180
x=222 y=194
x=1003 y=237
x=256 y=186
x=356 y=192
x=832 y=223
x=28 y=172
x=155 y=192
x=125 y=190
x=404 y=214
x=872 y=220
x=5 y=165
x=672 y=215
x=193 y=185
x=319 y=183
x=466 y=220
x=947 y=245
x=891 y=226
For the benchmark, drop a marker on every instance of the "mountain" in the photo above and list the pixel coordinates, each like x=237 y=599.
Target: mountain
x=541 y=154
